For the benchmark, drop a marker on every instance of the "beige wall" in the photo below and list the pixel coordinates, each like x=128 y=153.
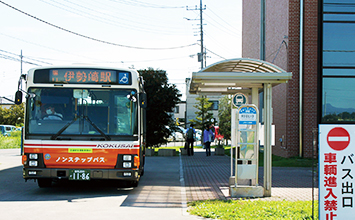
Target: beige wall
x=276 y=30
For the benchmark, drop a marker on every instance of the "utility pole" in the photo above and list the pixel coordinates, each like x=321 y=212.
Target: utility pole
x=201 y=55
x=21 y=61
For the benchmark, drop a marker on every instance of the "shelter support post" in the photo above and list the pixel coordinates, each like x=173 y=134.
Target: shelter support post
x=267 y=138
x=232 y=178
x=255 y=96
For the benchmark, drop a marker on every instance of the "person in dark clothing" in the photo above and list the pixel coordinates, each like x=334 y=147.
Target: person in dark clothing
x=190 y=139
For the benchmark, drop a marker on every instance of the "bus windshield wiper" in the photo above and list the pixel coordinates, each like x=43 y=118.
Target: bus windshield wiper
x=107 y=138
x=54 y=136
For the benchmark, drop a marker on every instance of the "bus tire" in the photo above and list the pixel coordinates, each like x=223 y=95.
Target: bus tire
x=43 y=183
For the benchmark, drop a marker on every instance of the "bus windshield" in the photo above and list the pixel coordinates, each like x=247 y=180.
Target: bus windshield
x=82 y=114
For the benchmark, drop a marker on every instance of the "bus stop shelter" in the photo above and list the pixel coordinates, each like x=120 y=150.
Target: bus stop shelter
x=250 y=77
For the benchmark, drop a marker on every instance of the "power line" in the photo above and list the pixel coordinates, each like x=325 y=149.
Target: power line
x=50 y=48
x=213 y=52
x=145 y=4
x=221 y=19
x=4 y=51
x=17 y=59
x=87 y=12
x=95 y=39
x=131 y=14
x=218 y=43
x=222 y=27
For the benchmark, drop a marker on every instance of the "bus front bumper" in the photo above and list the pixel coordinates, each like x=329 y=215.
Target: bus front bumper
x=56 y=173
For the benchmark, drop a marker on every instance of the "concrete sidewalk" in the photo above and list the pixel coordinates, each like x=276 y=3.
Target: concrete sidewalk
x=207 y=178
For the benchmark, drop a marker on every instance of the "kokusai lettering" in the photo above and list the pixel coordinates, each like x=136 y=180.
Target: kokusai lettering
x=115 y=146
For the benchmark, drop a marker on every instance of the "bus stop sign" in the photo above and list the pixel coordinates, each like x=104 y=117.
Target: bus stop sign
x=239 y=99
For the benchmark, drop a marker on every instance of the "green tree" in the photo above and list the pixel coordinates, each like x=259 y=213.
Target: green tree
x=204 y=115
x=224 y=114
x=12 y=116
x=162 y=98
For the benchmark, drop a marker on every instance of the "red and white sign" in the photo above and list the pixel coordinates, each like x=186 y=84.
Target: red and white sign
x=338 y=138
x=336 y=172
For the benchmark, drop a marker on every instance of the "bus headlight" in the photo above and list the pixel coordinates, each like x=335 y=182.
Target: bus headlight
x=33 y=163
x=31 y=172
x=33 y=156
x=127 y=157
x=127 y=164
x=127 y=174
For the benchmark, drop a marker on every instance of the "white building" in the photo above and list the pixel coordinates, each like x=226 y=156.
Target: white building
x=191 y=101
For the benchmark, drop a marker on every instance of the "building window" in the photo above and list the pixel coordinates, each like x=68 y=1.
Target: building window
x=214 y=105
x=338 y=62
x=176 y=109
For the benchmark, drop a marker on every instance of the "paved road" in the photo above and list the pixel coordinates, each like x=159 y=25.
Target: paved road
x=158 y=196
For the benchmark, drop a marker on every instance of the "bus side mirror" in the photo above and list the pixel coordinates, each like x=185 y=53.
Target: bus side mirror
x=18 y=97
x=143 y=100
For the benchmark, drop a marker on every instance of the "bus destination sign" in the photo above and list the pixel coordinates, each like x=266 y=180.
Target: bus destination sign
x=88 y=76
x=82 y=76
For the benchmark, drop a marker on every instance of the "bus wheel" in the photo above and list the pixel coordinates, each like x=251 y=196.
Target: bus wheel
x=42 y=183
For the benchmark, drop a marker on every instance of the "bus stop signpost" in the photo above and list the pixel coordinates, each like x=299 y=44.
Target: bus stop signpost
x=245 y=139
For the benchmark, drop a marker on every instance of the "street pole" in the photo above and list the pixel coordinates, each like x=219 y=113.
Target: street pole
x=201 y=55
x=201 y=32
x=21 y=61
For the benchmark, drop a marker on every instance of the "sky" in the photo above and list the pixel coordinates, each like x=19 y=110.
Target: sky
x=139 y=34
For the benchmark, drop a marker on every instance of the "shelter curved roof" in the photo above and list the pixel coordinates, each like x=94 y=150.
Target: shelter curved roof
x=226 y=76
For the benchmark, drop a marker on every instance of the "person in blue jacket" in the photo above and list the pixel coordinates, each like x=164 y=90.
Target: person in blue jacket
x=208 y=137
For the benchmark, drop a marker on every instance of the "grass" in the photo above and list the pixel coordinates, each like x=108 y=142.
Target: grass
x=14 y=141
x=253 y=209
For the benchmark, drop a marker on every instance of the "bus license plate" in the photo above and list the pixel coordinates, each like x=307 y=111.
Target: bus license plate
x=79 y=174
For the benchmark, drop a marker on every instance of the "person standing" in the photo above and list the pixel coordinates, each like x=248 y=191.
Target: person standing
x=208 y=137
x=190 y=139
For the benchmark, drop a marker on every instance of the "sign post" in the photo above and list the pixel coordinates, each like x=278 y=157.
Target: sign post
x=247 y=149
x=336 y=171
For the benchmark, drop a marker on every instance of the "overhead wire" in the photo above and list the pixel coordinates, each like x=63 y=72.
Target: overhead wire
x=46 y=47
x=99 y=61
x=218 y=26
x=222 y=27
x=103 y=5
x=95 y=39
x=108 y=20
x=145 y=4
x=17 y=59
x=25 y=57
x=217 y=42
x=209 y=9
